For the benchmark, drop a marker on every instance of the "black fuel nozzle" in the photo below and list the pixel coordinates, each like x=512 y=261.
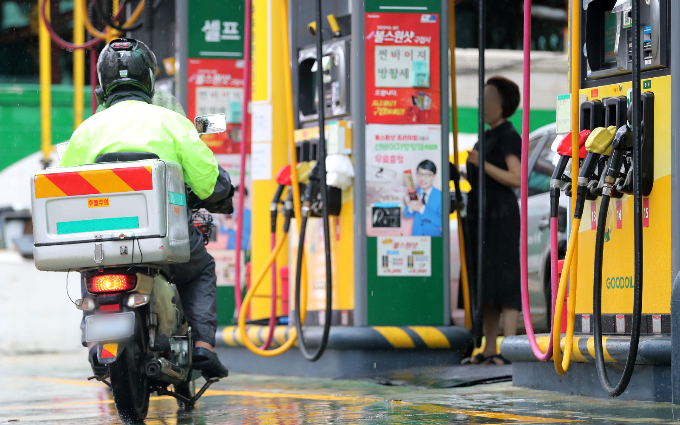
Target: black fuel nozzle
x=622 y=143
x=288 y=211
x=274 y=206
x=310 y=199
x=555 y=183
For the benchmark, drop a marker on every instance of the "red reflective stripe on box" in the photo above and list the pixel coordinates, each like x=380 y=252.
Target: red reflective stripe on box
x=138 y=178
x=72 y=184
x=93 y=182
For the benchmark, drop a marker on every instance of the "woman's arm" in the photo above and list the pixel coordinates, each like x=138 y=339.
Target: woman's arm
x=511 y=177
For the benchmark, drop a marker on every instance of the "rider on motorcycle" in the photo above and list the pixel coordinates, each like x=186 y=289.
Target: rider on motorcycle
x=131 y=123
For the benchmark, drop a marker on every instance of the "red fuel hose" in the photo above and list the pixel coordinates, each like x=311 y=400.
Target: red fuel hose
x=526 y=306
x=245 y=132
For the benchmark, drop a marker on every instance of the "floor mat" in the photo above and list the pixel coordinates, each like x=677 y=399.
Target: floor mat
x=446 y=377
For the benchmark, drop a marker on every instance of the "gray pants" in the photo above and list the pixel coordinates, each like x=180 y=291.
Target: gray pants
x=197 y=286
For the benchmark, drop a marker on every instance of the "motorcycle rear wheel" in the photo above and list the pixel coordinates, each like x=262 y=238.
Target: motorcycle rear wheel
x=130 y=387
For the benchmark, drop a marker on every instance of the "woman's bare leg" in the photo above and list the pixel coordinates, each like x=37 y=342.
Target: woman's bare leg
x=491 y=317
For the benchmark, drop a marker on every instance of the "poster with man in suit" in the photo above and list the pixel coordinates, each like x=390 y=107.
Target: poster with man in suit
x=403 y=180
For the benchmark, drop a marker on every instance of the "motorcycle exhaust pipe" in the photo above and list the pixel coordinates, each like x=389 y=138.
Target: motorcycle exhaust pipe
x=163 y=370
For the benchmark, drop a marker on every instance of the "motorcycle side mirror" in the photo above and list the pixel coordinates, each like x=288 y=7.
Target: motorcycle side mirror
x=211 y=124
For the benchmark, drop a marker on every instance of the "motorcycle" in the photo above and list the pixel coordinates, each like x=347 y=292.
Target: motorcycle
x=135 y=317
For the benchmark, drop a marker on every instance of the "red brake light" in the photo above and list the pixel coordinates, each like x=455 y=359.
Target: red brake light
x=111 y=283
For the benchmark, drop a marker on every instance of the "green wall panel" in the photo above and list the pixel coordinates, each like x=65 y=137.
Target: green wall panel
x=20 y=119
x=404 y=6
x=225 y=305
x=467 y=119
x=406 y=301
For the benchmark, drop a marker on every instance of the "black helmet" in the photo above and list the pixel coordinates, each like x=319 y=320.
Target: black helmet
x=126 y=61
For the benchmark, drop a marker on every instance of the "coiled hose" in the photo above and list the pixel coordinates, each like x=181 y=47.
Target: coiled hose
x=321 y=164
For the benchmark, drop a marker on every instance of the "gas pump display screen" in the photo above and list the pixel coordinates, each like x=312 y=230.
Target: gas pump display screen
x=610 y=22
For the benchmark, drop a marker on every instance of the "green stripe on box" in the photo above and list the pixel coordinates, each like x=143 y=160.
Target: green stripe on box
x=177 y=199
x=563 y=96
x=97 y=225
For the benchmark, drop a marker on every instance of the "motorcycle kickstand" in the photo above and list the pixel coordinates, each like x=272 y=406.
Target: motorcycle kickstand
x=188 y=401
x=100 y=379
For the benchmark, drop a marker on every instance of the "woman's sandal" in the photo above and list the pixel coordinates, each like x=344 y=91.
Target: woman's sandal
x=478 y=359
x=492 y=360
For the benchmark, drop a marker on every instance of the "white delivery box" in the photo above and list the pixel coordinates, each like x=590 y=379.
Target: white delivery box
x=109 y=214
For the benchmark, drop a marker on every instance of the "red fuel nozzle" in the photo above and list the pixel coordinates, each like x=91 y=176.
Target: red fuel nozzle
x=283 y=176
x=564 y=147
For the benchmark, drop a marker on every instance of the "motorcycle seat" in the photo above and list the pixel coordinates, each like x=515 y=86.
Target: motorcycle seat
x=125 y=157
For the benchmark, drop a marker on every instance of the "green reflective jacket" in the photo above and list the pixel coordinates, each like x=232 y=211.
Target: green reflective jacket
x=134 y=126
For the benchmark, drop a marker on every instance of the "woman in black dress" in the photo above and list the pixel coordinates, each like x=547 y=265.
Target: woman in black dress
x=501 y=285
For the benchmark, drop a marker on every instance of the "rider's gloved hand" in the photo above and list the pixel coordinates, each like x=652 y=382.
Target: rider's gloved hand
x=208 y=363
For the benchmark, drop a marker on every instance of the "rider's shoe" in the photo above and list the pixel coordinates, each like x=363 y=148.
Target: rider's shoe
x=98 y=368
x=208 y=363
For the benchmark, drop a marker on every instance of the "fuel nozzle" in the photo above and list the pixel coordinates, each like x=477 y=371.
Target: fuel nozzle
x=623 y=142
x=598 y=143
x=564 y=149
x=288 y=211
x=313 y=179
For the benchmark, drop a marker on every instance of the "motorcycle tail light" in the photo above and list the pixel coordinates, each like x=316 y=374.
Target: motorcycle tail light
x=111 y=283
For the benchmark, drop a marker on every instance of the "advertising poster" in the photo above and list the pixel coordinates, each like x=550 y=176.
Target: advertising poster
x=404 y=256
x=223 y=241
x=403 y=180
x=402 y=68
x=215 y=86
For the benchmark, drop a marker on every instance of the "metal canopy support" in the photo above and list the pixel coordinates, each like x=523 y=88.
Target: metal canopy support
x=675 y=206
x=481 y=176
x=358 y=89
x=446 y=205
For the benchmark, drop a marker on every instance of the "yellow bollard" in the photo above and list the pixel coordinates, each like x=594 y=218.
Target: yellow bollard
x=78 y=64
x=45 y=88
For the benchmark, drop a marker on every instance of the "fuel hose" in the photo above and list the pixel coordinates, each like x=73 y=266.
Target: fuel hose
x=613 y=168
x=319 y=350
x=620 y=387
x=524 y=188
x=570 y=267
x=129 y=25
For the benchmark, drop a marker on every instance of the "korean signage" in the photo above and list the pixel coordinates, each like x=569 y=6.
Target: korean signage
x=215 y=86
x=216 y=29
x=402 y=68
x=404 y=256
x=403 y=180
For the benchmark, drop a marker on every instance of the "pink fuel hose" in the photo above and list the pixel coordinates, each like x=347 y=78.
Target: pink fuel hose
x=526 y=307
x=245 y=132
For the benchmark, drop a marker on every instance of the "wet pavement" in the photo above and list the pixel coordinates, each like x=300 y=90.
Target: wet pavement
x=54 y=389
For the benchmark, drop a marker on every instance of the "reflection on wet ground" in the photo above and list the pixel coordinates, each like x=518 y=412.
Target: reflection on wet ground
x=54 y=389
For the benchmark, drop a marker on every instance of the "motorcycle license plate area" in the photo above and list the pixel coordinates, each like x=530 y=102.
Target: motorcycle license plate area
x=109 y=327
